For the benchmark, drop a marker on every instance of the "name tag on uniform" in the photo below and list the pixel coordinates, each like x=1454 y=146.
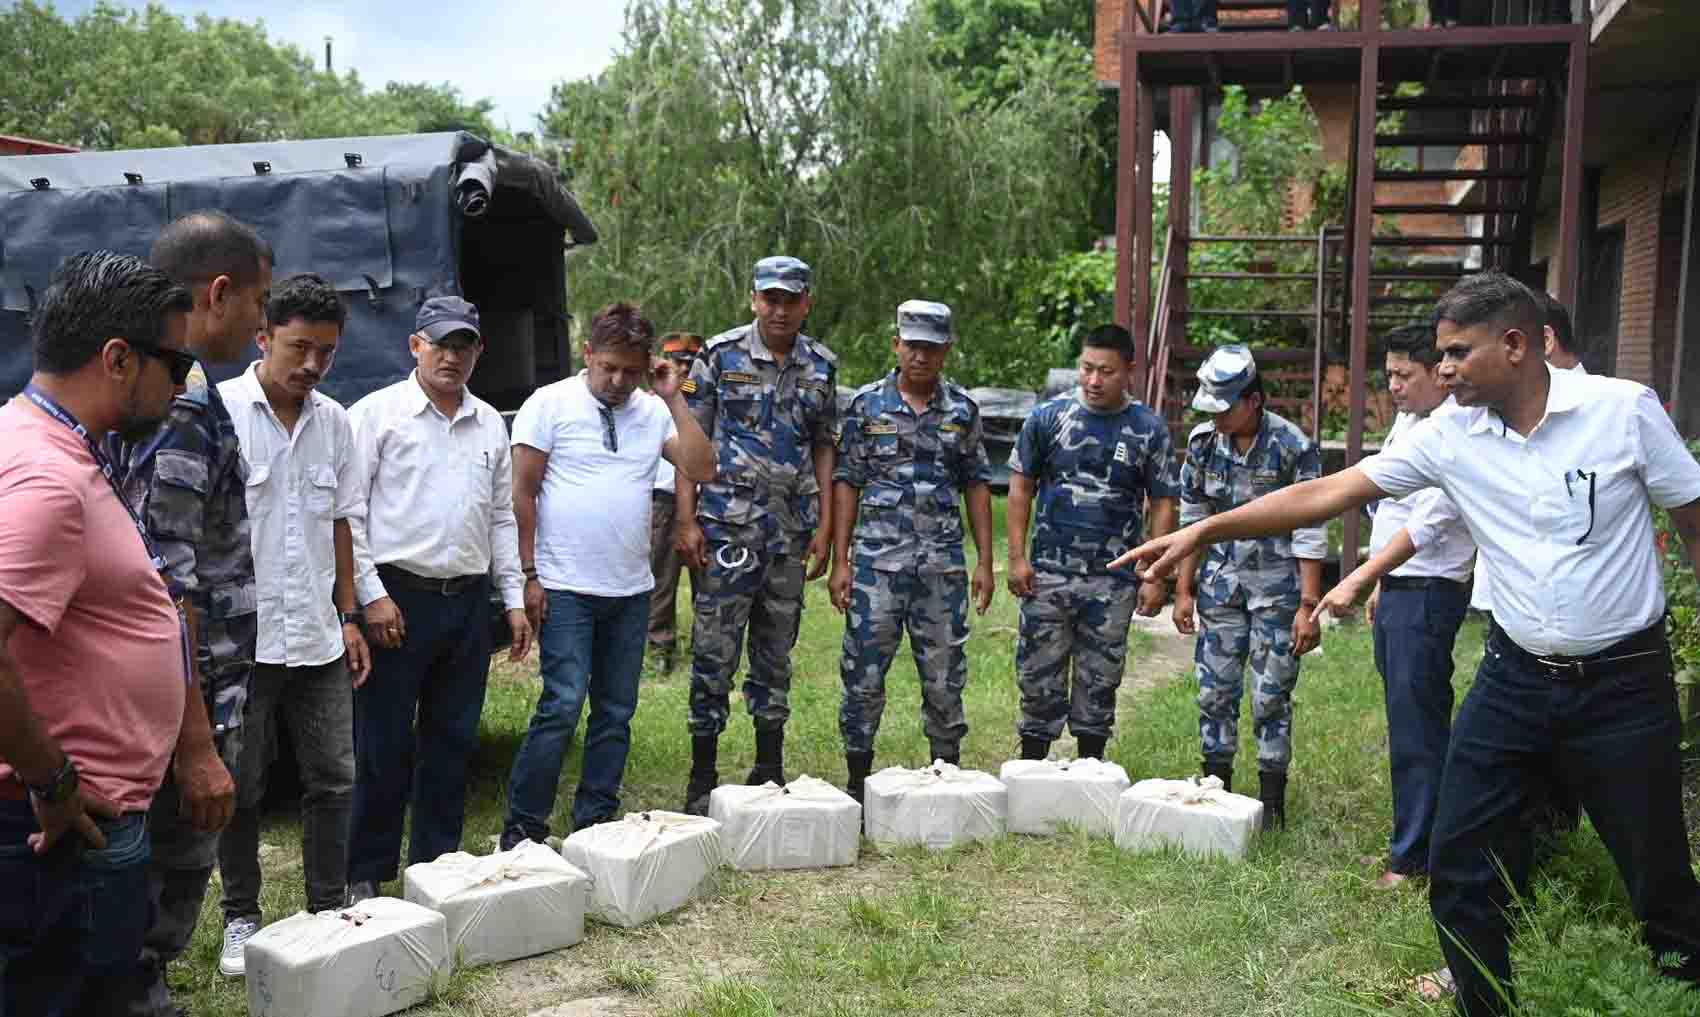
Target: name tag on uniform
x=952 y=428
x=1266 y=476
x=740 y=377
x=877 y=429
x=1121 y=452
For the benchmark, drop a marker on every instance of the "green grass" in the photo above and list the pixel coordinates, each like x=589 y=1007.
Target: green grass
x=1027 y=926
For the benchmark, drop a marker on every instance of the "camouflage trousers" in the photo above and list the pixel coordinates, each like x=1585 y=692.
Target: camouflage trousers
x=1072 y=620
x=934 y=610
x=744 y=588
x=1230 y=635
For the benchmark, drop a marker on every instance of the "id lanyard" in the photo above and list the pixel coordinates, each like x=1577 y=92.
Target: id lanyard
x=50 y=406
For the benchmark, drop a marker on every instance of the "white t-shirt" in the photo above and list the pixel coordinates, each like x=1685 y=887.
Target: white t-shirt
x=593 y=510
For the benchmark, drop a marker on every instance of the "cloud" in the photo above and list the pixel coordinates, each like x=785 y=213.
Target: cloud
x=511 y=53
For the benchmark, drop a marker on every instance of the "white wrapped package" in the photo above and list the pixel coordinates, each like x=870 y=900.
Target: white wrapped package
x=1046 y=792
x=807 y=824
x=375 y=958
x=1195 y=815
x=646 y=864
x=939 y=806
x=504 y=906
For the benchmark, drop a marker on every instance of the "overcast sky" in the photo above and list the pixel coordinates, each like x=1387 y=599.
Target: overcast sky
x=510 y=52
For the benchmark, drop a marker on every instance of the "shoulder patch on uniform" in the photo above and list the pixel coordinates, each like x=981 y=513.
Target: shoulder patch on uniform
x=731 y=335
x=740 y=377
x=879 y=428
x=195 y=386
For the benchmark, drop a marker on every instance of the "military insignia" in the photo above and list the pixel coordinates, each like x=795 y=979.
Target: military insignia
x=952 y=428
x=878 y=429
x=1266 y=476
x=740 y=377
x=688 y=386
x=1121 y=452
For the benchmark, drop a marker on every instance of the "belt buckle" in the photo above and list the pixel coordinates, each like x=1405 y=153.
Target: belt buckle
x=1563 y=670
x=443 y=590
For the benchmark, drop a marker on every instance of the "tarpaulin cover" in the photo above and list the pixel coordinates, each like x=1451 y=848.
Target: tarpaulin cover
x=645 y=865
x=939 y=806
x=1196 y=816
x=807 y=824
x=1046 y=792
x=503 y=906
x=375 y=958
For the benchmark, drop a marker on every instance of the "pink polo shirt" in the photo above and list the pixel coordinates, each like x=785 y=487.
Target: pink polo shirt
x=99 y=649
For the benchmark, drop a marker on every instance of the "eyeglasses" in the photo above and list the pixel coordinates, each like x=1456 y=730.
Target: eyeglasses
x=178 y=362
x=610 y=437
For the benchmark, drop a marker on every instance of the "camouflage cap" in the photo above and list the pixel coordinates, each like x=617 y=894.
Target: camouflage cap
x=782 y=273
x=441 y=317
x=924 y=321
x=1222 y=377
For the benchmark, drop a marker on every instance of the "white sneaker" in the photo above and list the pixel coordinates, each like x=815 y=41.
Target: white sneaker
x=236 y=935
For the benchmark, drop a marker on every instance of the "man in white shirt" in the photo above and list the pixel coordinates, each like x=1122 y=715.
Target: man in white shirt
x=304 y=486
x=585 y=454
x=664 y=557
x=1415 y=613
x=1554 y=474
x=438 y=489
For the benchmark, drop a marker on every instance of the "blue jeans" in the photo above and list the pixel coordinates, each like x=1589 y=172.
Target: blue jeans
x=1415 y=629
x=438 y=673
x=1612 y=737
x=591 y=647
x=71 y=921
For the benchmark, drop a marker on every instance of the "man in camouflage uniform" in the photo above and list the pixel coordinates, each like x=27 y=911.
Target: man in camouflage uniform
x=1253 y=598
x=186 y=482
x=766 y=396
x=910 y=449
x=1092 y=457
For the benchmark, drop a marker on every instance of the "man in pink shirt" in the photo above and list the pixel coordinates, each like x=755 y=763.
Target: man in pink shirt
x=93 y=656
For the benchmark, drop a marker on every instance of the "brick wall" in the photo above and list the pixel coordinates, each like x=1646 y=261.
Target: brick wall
x=1630 y=193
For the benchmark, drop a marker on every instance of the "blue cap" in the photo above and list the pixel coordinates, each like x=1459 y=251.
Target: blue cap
x=441 y=317
x=1222 y=377
x=781 y=273
x=924 y=321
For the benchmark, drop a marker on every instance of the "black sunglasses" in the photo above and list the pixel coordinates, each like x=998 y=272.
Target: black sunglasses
x=178 y=362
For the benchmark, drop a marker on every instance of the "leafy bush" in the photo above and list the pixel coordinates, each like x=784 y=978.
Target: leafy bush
x=1682 y=599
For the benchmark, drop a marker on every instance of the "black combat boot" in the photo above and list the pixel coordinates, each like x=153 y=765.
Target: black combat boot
x=1223 y=768
x=951 y=753
x=770 y=757
x=858 y=763
x=1034 y=748
x=1272 y=789
x=1091 y=746
x=704 y=779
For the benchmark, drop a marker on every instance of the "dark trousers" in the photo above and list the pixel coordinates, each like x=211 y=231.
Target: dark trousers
x=438 y=673
x=591 y=648
x=72 y=920
x=1612 y=738
x=318 y=705
x=1415 y=628
x=180 y=867
x=1192 y=15
x=1307 y=13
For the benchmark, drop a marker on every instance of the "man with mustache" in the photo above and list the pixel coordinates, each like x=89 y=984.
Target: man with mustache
x=438 y=487
x=94 y=657
x=304 y=487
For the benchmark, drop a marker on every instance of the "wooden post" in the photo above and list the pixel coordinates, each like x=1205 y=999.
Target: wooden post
x=1569 y=253
x=1362 y=257
x=1126 y=108
x=1181 y=113
x=1685 y=378
x=1144 y=135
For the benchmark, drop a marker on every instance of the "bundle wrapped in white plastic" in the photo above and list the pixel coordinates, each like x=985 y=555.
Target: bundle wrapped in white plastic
x=504 y=906
x=807 y=824
x=939 y=806
x=1046 y=792
x=644 y=865
x=375 y=958
x=1197 y=816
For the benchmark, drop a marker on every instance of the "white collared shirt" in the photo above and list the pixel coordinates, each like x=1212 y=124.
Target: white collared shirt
x=298 y=486
x=1449 y=553
x=439 y=493
x=1562 y=517
x=1481 y=594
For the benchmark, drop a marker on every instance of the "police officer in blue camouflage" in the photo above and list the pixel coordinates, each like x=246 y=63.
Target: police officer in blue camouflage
x=1092 y=458
x=766 y=397
x=187 y=483
x=909 y=452
x=1249 y=593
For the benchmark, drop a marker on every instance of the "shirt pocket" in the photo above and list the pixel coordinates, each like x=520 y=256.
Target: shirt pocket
x=257 y=491
x=321 y=491
x=741 y=404
x=177 y=503
x=480 y=473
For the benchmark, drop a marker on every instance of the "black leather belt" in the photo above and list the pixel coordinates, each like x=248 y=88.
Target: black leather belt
x=1420 y=583
x=1649 y=642
x=454 y=586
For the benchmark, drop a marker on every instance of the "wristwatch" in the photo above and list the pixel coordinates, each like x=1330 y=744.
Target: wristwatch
x=352 y=617
x=60 y=787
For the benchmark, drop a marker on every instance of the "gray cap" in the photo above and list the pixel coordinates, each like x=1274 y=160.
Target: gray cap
x=1222 y=377
x=441 y=317
x=924 y=321
x=781 y=273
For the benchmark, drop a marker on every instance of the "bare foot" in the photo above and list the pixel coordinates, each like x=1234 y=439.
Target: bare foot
x=1391 y=880
x=1435 y=986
